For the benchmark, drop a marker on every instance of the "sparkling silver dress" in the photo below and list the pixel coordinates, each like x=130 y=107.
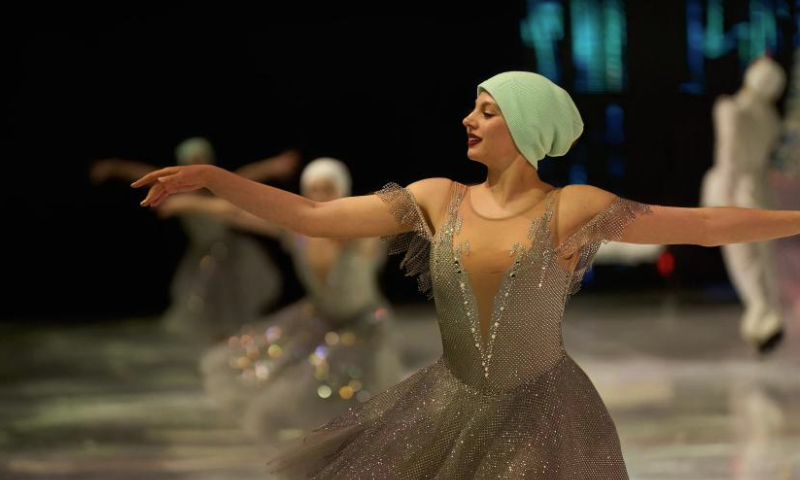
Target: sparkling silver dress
x=504 y=401
x=315 y=358
x=225 y=279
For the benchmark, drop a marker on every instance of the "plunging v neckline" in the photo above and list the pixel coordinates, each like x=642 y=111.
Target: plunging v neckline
x=484 y=344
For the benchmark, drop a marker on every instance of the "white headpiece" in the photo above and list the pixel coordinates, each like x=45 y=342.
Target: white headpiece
x=766 y=78
x=329 y=169
x=192 y=148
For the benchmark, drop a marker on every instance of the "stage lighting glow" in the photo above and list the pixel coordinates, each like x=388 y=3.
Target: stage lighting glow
x=332 y=338
x=715 y=42
x=762 y=35
x=694 y=48
x=578 y=174
x=615 y=134
x=599 y=40
x=542 y=31
x=665 y=264
x=707 y=38
x=616 y=38
x=324 y=391
x=616 y=165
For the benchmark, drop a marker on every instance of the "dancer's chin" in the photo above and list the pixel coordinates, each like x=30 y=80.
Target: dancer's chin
x=474 y=156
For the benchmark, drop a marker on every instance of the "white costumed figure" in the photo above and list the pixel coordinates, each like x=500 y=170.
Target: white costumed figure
x=747 y=130
x=786 y=187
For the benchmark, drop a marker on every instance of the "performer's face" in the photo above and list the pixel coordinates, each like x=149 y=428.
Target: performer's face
x=488 y=138
x=321 y=190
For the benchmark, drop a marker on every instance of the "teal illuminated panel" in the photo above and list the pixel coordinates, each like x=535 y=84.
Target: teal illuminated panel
x=598 y=42
x=542 y=31
x=707 y=37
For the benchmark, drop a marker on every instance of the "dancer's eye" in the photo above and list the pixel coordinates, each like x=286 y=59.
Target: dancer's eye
x=488 y=115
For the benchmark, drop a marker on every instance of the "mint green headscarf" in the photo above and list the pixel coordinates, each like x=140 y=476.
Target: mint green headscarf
x=541 y=116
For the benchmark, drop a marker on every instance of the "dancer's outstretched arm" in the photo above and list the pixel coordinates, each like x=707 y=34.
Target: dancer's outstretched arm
x=705 y=226
x=350 y=217
x=278 y=167
x=218 y=208
x=128 y=170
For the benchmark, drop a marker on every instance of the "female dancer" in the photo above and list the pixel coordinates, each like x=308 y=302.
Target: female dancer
x=322 y=354
x=225 y=278
x=505 y=400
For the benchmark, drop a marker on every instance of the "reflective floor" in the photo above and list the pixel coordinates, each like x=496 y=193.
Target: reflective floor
x=691 y=402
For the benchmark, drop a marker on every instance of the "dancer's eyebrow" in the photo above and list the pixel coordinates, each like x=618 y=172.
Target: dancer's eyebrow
x=487 y=103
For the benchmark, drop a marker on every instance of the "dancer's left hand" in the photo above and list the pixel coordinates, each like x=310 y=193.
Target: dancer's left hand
x=170 y=180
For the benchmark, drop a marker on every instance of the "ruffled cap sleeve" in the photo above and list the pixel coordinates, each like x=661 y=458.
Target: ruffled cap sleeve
x=415 y=243
x=607 y=226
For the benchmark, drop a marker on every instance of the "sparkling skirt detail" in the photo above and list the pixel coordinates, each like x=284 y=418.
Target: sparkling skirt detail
x=434 y=426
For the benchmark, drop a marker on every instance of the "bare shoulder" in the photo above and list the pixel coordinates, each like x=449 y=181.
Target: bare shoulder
x=580 y=203
x=431 y=191
x=432 y=195
x=577 y=205
x=430 y=186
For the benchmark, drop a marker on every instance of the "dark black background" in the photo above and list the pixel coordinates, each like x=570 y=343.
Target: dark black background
x=383 y=90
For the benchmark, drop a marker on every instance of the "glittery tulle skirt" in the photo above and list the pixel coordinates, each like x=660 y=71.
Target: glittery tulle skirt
x=289 y=373
x=219 y=286
x=433 y=426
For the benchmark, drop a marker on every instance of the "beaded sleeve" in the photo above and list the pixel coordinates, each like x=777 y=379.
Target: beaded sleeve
x=607 y=226
x=415 y=243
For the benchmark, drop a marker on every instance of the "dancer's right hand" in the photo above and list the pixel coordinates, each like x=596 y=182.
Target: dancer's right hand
x=171 y=180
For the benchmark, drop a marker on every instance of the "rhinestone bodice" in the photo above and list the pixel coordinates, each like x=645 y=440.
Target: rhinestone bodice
x=509 y=331
x=500 y=285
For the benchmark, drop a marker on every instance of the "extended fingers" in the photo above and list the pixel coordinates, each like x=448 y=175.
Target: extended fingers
x=153 y=176
x=164 y=183
x=154 y=192
x=158 y=193
x=160 y=199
